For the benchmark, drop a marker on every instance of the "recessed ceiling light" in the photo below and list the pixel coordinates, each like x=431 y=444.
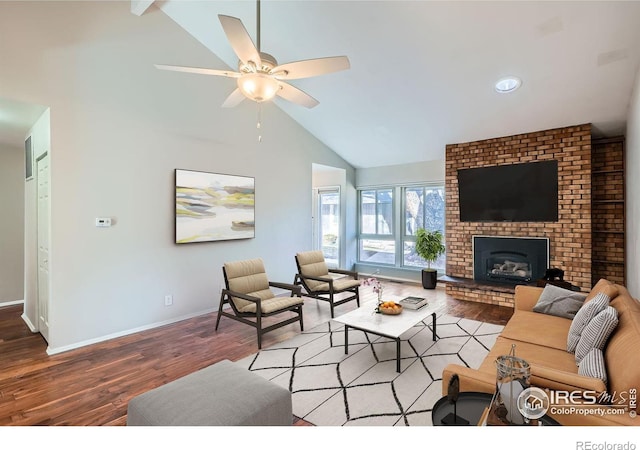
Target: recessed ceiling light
x=508 y=84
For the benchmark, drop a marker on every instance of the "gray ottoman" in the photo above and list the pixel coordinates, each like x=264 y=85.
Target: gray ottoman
x=221 y=394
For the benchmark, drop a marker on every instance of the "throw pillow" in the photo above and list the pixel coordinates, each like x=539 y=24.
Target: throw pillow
x=560 y=302
x=592 y=365
x=597 y=332
x=582 y=318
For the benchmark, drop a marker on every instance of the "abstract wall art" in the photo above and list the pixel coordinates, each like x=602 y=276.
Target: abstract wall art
x=213 y=207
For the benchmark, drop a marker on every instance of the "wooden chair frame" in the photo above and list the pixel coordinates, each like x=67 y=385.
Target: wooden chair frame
x=244 y=317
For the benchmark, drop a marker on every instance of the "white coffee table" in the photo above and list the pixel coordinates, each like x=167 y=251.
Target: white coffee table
x=390 y=326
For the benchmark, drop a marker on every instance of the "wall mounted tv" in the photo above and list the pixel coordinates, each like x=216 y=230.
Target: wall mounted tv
x=526 y=192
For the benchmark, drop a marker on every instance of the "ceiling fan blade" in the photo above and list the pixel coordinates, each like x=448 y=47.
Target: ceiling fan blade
x=233 y=99
x=310 y=67
x=239 y=39
x=222 y=73
x=295 y=95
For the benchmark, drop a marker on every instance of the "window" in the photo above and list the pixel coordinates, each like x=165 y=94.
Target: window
x=423 y=208
x=376 y=211
x=377 y=243
x=388 y=227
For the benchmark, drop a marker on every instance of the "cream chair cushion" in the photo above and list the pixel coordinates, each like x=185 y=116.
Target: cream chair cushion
x=338 y=285
x=312 y=264
x=248 y=277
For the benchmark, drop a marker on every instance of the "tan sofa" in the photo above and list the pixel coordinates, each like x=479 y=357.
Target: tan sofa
x=541 y=340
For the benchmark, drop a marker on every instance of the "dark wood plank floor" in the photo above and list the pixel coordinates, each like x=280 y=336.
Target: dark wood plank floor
x=93 y=385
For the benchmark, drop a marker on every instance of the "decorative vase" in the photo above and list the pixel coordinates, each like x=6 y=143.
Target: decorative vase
x=512 y=378
x=379 y=301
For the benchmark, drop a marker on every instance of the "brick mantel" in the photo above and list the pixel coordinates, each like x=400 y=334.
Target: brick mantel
x=569 y=238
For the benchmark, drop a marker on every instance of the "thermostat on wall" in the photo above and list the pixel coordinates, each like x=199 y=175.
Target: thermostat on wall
x=103 y=221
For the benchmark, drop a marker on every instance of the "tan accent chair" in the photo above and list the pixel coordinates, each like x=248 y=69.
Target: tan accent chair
x=251 y=299
x=315 y=276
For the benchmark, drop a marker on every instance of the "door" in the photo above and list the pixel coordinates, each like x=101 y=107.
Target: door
x=328 y=225
x=43 y=245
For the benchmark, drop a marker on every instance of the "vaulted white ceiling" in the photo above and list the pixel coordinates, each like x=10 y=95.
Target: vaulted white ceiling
x=422 y=72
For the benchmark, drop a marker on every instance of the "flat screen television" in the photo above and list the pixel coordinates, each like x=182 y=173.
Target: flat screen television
x=526 y=192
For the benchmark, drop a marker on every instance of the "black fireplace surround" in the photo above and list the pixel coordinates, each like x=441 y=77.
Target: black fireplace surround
x=509 y=260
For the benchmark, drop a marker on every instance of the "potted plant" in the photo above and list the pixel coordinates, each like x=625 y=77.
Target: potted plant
x=429 y=246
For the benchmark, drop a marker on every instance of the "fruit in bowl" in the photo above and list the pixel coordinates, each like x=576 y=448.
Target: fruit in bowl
x=390 y=307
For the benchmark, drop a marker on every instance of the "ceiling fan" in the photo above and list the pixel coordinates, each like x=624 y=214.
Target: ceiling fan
x=259 y=76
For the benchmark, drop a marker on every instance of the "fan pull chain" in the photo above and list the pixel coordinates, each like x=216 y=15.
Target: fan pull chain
x=259 y=124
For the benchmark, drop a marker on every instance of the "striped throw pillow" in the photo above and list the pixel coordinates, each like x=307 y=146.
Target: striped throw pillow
x=596 y=334
x=592 y=365
x=582 y=318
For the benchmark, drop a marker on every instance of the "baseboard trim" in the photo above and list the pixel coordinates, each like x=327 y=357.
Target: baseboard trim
x=26 y=320
x=66 y=348
x=11 y=303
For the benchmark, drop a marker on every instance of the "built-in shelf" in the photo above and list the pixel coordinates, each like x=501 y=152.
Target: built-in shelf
x=598 y=172
x=607 y=158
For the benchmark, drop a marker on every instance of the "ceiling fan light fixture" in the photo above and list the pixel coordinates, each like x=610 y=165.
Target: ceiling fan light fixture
x=507 y=84
x=258 y=87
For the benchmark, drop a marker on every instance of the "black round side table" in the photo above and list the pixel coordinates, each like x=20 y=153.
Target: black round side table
x=470 y=407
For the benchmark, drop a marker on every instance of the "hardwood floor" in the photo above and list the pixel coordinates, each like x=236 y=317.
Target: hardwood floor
x=93 y=385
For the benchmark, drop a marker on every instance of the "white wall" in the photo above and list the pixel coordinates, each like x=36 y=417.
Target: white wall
x=632 y=193
x=324 y=176
x=11 y=224
x=421 y=172
x=119 y=128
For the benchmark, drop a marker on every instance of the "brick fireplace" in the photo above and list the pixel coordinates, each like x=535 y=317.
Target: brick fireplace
x=569 y=239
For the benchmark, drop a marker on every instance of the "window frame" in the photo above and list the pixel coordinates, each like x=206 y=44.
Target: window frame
x=377 y=236
x=404 y=237
x=398 y=225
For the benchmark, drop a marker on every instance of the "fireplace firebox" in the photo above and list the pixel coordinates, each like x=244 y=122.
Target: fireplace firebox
x=509 y=260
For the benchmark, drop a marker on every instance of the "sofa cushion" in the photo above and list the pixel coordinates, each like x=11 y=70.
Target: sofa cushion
x=536 y=328
x=583 y=317
x=560 y=302
x=550 y=367
x=597 y=332
x=532 y=353
x=592 y=365
x=623 y=344
x=603 y=286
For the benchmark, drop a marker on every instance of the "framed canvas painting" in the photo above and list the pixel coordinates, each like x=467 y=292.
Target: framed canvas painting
x=213 y=207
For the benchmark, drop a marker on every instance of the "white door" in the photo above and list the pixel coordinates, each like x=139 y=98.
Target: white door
x=43 y=245
x=328 y=225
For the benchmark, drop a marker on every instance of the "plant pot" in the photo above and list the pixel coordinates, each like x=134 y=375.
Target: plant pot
x=429 y=278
